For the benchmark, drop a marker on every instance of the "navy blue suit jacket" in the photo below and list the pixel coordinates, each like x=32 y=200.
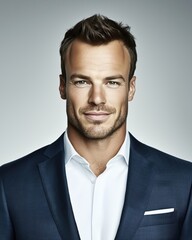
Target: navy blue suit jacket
x=35 y=202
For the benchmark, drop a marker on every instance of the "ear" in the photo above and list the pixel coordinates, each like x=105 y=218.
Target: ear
x=131 y=88
x=62 y=87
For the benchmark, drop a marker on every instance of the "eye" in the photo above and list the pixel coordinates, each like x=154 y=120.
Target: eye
x=80 y=83
x=113 y=84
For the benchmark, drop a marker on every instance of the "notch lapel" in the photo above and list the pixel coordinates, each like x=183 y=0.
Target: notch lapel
x=139 y=186
x=55 y=186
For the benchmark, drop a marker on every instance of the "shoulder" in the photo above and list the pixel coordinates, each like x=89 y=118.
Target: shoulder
x=26 y=164
x=164 y=162
x=22 y=166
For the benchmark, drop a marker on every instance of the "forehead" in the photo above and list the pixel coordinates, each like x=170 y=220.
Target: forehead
x=111 y=56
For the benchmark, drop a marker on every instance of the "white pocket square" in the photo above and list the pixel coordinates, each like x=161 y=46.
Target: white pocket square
x=159 y=211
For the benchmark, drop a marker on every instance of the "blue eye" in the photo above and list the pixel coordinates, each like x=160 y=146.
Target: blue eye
x=80 y=83
x=113 y=84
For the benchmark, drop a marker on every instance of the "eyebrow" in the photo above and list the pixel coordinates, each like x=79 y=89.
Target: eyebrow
x=119 y=76
x=81 y=76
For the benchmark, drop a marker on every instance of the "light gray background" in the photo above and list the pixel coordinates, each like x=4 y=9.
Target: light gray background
x=31 y=111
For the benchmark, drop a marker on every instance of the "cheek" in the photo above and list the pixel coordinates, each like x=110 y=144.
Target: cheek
x=77 y=94
x=118 y=99
x=75 y=101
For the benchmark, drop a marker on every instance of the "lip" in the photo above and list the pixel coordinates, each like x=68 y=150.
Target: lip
x=97 y=116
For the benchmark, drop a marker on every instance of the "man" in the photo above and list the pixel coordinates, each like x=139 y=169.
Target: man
x=97 y=182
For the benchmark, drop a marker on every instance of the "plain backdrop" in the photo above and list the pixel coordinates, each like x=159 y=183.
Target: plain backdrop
x=31 y=111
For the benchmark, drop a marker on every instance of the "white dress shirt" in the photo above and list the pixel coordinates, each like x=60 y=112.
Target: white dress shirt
x=97 y=202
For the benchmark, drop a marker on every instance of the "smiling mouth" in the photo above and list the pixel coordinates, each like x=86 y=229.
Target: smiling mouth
x=97 y=116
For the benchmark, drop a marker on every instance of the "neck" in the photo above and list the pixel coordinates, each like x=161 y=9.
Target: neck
x=97 y=151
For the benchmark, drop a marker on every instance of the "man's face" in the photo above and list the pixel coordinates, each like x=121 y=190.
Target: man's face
x=97 y=89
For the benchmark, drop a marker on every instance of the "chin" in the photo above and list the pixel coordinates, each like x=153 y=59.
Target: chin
x=98 y=134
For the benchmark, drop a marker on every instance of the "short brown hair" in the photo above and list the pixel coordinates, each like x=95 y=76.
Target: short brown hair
x=98 y=30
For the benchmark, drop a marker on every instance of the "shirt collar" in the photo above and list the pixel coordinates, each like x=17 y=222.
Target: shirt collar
x=70 y=152
x=125 y=148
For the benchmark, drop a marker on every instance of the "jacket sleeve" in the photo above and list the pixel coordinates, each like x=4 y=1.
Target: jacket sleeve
x=186 y=233
x=6 y=229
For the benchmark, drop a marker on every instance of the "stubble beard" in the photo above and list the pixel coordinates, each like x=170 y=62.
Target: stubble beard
x=96 y=130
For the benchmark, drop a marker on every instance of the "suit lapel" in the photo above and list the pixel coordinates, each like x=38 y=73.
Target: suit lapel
x=54 y=181
x=139 y=187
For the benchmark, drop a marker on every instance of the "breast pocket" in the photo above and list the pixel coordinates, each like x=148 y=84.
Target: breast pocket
x=159 y=219
x=158 y=227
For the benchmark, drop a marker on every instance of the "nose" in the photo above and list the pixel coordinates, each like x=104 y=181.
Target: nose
x=97 y=95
